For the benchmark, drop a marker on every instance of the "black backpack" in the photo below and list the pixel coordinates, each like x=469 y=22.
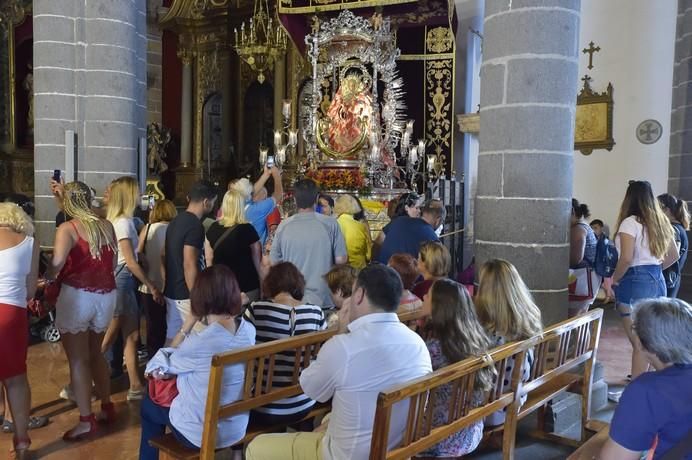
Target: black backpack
x=606 y=257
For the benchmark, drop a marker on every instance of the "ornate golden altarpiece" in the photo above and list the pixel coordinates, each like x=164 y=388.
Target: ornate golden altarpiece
x=16 y=148
x=203 y=28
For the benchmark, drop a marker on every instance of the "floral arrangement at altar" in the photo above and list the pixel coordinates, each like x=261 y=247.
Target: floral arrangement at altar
x=352 y=180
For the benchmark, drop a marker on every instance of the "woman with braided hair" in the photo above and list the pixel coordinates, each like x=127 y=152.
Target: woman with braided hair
x=83 y=261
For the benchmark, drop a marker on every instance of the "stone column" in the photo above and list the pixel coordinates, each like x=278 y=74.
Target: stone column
x=89 y=77
x=680 y=162
x=186 y=111
x=528 y=96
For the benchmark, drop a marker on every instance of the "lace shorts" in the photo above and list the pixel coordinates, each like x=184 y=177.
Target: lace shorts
x=78 y=310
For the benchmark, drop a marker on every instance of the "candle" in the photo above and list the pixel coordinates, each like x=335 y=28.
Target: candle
x=286 y=108
x=277 y=139
x=281 y=154
x=293 y=137
x=406 y=139
x=375 y=153
x=413 y=155
x=242 y=33
x=235 y=32
x=421 y=146
x=431 y=163
x=263 y=151
x=374 y=138
x=409 y=126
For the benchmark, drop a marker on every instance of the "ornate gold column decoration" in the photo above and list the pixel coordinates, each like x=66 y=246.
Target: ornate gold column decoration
x=439 y=97
x=186 y=55
x=208 y=81
x=12 y=13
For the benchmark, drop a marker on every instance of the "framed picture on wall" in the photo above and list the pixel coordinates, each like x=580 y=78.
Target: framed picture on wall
x=594 y=119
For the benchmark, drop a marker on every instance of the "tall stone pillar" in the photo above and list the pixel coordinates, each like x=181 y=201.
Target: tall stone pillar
x=680 y=162
x=89 y=77
x=529 y=82
x=186 y=111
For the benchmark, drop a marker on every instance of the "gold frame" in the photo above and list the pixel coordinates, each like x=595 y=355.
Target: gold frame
x=594 y=119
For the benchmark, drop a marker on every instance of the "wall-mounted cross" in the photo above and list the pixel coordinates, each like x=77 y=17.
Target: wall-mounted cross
x=590 y=51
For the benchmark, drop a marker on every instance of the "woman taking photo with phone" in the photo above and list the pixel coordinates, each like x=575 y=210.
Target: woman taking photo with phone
x=121 y=198
x=645 y=243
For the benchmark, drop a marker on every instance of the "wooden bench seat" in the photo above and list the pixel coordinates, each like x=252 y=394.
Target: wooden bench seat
x=258 y=389
x=558 y=355
x=591 y=448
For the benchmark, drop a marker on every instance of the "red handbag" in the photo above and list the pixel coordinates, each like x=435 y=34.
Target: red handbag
x=163 y=391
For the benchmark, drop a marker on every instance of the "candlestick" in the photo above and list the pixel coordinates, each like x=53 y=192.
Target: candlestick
x=431 y=163
x=286 y=108
x=235 y=32
x=293 y=137
x=421 y=146
x=277 y=139
x=413 y=155
x=263 y=152
x=281 y=154
x=409 y=126
x=375 y=153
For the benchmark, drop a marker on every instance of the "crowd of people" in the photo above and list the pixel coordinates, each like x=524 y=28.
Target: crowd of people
x=228 y=273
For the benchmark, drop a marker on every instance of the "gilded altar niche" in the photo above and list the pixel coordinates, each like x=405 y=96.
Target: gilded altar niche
x=16 y=97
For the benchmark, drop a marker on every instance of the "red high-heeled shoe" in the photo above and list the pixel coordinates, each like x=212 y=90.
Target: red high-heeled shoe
x=68 y=437
x=108 y=414
x=20 y=448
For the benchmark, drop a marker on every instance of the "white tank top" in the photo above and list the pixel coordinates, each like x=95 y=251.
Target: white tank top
x=15 y=267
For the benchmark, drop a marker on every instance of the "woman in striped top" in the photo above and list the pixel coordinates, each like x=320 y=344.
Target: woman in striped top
x=283 y=315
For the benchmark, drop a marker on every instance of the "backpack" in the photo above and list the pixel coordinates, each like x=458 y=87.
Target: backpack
x=606 y=257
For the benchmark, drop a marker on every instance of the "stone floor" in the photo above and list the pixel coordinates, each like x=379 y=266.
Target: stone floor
x=48 y=373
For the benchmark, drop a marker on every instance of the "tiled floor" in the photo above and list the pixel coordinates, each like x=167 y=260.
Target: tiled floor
x=48 y=373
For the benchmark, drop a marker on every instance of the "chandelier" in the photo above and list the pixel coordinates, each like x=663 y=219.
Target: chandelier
x=262 y=42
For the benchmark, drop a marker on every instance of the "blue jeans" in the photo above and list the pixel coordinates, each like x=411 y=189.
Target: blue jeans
x=154 y=422
x=640 y=282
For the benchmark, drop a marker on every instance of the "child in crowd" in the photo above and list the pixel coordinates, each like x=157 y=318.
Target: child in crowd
x=508 y=312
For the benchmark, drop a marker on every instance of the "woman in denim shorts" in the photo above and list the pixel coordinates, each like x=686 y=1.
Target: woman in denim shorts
x=645 y=243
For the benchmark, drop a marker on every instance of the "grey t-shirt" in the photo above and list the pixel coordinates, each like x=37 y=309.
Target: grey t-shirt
x=311 y=242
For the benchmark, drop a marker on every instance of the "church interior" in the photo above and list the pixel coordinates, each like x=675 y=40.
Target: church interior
x=503 y=110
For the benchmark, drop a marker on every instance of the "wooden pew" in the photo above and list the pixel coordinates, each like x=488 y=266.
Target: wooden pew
x=558 y=352
x=256 y=392
x=558 y=355
x=420 y=393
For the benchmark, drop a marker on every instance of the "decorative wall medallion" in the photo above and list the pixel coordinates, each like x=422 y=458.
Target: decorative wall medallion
x=649 y=131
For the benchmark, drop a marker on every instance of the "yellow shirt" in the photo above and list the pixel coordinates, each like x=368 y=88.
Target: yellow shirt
x=358 y=242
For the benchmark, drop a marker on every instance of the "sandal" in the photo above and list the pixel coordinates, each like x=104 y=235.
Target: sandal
x=107 y=414
x=20 y=448
x=70 y=437
x=34 y=423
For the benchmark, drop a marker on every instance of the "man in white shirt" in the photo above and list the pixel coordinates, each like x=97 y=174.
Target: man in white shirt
x=374 y=353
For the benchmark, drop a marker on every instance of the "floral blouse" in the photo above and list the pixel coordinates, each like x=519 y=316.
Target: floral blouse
x=461 y=442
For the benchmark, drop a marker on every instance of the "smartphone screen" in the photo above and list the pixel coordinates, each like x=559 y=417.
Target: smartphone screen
x=270 y=161
x=56 y=175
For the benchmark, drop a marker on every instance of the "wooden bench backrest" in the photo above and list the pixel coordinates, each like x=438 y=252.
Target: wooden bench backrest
x=419 y=433
x=561 y=348
x=258 y=387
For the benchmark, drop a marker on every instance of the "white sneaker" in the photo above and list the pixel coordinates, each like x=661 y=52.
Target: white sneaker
x=67 y=394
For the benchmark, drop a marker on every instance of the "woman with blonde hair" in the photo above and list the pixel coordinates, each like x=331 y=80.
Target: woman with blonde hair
x=508 y=312
x=84 y=258
x=356 y=234
x=18 y=275
x=152 y=240
x=645 y=242
x=454 y=334
x=434 y=263
x=121 y=199
x=233 y=242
